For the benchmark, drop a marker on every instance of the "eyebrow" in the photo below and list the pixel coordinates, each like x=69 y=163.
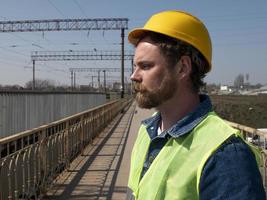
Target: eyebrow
x=142 y=62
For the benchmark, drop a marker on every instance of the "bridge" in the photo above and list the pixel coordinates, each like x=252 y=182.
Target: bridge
x=83 y=156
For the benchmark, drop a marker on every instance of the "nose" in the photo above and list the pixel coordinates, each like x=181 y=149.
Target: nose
x=136 y=76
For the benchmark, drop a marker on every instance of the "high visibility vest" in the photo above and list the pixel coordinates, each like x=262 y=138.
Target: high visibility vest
x=175 y=172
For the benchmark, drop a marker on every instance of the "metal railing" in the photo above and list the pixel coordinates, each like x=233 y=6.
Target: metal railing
x=258 y=138
x=31 y=160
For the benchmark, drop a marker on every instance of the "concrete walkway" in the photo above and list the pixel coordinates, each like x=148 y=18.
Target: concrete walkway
x=122 y=180
x=101 y=172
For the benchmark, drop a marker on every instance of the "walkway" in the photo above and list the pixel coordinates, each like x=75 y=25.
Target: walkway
x=101 y=172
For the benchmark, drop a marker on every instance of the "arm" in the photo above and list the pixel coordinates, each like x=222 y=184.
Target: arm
x=232 y=173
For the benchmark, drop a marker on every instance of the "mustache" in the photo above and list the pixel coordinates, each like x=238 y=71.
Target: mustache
x=138 y=87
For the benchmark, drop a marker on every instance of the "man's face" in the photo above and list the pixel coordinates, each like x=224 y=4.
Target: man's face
x=155 y=83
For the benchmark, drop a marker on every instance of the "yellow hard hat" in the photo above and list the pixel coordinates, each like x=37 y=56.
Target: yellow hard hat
x=180 y=25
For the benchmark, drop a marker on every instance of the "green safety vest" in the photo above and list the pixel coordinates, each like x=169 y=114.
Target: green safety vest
x=175 y=172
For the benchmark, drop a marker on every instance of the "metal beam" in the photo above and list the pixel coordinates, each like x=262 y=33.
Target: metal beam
x=79 y=55
x=108 y=77
x=64 y=25
x=95 y=69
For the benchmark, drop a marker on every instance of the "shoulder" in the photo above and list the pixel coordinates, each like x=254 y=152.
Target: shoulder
x=231 y=173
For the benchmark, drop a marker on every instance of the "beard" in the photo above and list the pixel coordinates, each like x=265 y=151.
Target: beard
x=153 y=98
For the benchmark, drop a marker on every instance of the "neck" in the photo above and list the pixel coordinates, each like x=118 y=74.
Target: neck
x=176 y=108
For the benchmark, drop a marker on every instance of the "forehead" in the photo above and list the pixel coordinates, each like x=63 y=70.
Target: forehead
x=147 y=50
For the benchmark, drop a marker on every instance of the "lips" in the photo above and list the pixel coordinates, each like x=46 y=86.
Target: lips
x=139 y=88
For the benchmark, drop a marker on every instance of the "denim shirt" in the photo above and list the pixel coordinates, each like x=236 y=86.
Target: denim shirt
x=230 y=173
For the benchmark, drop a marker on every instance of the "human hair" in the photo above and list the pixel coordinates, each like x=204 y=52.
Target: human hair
x=173 y=49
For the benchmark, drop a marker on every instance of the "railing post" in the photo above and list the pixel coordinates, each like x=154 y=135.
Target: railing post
x=9 y=176
x=82 y=135
x=67 y=148
x=36 y=165
x=28 y=151
x=16 y=177
x=43 y=160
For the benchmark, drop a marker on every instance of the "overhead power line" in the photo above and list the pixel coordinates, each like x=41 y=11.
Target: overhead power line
x=13 y=51
x=80 y=7
x=59 y=11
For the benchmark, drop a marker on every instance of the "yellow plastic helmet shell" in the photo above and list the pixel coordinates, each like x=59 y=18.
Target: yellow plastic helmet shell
x=180 y=25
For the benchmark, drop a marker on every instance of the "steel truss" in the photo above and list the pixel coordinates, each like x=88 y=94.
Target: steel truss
x=64 y=25
x=83 y=55
x=70 y=25
x=83 y=69
x=79 y=55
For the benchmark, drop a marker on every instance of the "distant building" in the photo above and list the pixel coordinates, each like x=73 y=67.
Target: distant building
x=117 y=86
x=127 y=87
x=261 y=90
x=224 y=88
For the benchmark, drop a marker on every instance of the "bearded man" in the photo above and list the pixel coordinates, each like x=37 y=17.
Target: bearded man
x=185 y=150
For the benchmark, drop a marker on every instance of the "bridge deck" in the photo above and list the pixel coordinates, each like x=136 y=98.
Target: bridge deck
x=101 y=172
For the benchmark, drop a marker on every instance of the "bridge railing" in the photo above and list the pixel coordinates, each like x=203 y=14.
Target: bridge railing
x=32 y=159
x=258 y=138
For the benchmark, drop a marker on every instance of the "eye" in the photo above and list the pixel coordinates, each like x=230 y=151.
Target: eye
x=146 y=66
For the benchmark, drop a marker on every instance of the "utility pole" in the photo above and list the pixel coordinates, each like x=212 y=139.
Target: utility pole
x=74 y=82
x=122 y=63
x=92 y=82
x=98 y=78
x=33 y=74
x=71 y=77
x=105 y=81
x=131 y=74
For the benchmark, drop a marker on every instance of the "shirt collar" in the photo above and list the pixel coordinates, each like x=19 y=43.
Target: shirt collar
x=184 y=125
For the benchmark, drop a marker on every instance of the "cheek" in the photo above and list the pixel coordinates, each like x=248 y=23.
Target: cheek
x=153 y=81
x=158 y=76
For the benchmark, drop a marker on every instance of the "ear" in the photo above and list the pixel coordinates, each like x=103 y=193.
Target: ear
x=185 y=67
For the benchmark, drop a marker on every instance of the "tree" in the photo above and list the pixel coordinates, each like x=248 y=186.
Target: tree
x=41 y=84
x=239 y=81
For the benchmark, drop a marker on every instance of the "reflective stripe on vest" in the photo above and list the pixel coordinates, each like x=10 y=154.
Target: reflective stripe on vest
x=176 y=171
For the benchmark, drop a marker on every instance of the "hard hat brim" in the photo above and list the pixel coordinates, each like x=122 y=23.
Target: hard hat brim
x=135 y=35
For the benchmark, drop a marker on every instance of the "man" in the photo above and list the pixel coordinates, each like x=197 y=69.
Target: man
x=184 y=151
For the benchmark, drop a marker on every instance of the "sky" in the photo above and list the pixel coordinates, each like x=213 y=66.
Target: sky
x=238 y=31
